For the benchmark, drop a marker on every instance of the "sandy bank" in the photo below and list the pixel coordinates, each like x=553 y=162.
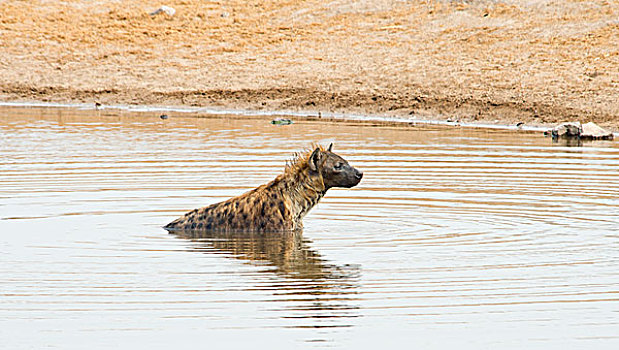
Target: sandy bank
x=538 y=61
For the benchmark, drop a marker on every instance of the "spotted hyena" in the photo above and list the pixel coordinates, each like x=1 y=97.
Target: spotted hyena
x=279 y=205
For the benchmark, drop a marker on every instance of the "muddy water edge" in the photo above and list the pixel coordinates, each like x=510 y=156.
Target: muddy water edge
x=455 y=237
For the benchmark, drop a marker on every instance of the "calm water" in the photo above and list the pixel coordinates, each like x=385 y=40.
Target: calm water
x=454 y=238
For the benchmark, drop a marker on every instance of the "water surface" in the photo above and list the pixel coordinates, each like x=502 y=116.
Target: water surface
x=454 y=238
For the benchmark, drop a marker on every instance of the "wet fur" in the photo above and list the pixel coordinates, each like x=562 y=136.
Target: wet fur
x=279 y=205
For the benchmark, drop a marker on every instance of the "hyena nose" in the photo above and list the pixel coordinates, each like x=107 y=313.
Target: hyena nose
x=358 y=174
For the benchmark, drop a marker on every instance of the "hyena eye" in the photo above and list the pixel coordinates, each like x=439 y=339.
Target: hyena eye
x=338 y=166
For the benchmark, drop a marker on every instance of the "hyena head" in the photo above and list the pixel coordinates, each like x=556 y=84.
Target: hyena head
x=335 y=170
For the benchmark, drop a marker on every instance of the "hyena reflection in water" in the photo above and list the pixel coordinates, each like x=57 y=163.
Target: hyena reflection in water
x=279 y=205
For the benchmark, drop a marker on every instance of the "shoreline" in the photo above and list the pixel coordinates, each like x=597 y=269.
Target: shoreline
x=499 y=116
x=207 y=112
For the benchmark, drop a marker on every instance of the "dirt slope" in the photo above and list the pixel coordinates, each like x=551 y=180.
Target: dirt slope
x=538 y=61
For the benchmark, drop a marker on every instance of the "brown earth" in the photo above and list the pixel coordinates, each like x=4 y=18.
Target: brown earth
x=537 y=61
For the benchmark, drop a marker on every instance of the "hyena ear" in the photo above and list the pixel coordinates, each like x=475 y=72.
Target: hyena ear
x=330 y=147
x=314 y=159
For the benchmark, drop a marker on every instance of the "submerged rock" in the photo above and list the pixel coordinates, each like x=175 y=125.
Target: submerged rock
x=281 y=121
x=589 y=131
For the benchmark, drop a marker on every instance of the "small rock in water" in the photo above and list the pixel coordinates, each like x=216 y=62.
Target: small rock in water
x=592 y=131
x=281 y=121
x=589 y=131
x=565 y=130
x=170 y=11
x=163 y=116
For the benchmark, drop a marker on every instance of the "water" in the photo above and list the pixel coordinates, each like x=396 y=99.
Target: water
x=454 y=238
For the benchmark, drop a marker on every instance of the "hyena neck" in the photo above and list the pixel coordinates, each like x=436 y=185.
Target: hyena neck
x=304 y=191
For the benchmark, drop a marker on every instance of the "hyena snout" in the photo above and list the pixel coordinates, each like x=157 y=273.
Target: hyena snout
x=353 y=178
